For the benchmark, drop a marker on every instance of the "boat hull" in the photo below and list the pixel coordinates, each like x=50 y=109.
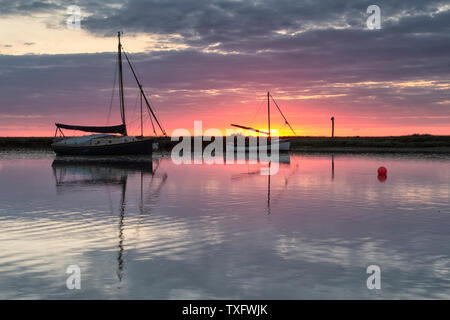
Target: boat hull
x=126 y=148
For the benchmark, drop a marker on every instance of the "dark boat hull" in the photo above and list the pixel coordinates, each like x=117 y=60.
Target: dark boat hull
x=127 y=148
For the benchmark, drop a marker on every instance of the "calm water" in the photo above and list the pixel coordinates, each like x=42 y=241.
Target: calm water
x=219 y=231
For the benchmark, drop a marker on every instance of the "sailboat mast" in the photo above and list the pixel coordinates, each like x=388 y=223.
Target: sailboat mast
x=142 y=124
x=268 y=111
x=122 y=103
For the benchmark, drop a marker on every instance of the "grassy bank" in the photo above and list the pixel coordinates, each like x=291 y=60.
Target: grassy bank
x=7 y=143
x=412 y=143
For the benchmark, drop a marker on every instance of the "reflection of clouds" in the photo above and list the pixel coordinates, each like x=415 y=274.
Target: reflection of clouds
x=404 y=274
x=406 y=190
x=186 y=294
x=36 y=252
x=340 y=252
x=44 y=248
x=207 y=235
x=441 y=268
x=177 y=240
x=410 y=194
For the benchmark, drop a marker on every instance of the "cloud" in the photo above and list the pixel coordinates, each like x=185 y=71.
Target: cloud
x=317 y=55
x=232 y=23
x=193 y=81
x=23 y=7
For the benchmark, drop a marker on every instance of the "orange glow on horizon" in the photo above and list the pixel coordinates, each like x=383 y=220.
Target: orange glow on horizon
x=307 y=119
x=306 y=132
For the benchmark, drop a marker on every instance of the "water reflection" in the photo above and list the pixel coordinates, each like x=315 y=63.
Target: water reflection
x=121 y=236
x=70 y=172
x=163 y=231
x=284 y=159
x=332 y=166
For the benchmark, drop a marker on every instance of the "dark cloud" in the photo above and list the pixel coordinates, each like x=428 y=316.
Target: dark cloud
x=414 y=41
x=235 y=22
x=23 y=7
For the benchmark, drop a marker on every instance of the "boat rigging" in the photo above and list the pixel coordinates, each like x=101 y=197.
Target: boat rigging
x=105 y=142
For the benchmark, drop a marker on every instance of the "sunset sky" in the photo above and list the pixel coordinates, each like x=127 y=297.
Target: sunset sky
x=214 y=60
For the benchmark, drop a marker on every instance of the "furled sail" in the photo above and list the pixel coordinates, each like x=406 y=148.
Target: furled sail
x=249 y=128
x=111 y=129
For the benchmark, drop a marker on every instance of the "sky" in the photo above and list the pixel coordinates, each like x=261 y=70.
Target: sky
x=214 y=61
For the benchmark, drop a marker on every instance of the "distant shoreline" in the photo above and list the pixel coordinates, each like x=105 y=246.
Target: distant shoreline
x=441 y=150
x=394 y=144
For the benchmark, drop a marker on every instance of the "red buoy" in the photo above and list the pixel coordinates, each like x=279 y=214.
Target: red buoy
x=382 y=171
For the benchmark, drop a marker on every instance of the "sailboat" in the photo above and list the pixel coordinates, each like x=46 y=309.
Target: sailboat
x=110 y=140
x=284 y=144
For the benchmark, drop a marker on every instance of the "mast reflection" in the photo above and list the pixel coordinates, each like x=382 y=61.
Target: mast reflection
x=73 y=173
x=284 y=160
x=332 y=166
